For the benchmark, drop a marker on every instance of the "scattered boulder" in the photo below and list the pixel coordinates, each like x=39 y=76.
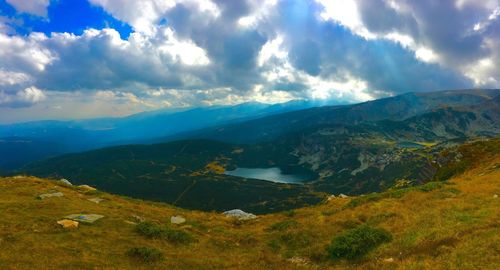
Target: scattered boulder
x=331 y=197
x=130 y=222
x=239 y=214
x=389 y=260
x=177 y=220
x=68 y=224
x=341 y=195
x=85 y=218
x=495 y=196
x=87 y=187
x=298 y=260
x=138 y=218
x=49 y=195
x=96 y=200
x=66 y=182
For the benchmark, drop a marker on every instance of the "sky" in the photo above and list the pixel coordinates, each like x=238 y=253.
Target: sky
x=62 y=59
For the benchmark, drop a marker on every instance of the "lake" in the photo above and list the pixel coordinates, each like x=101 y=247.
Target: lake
x=273 y=174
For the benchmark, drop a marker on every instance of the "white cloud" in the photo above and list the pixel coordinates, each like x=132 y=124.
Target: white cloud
x=144 y=15
x=31 y=95
x=24 y=53
x=185 y=51
x=346 y=13
x=426 y=55
x=34 y=7
x=12 y=78
x=25 y=97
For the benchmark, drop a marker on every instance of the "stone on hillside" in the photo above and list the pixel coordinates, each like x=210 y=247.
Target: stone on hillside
x=495 y=196
x=177 y=220
x=87 y=187
x=96 y=200
x=85 y=218
x=341 y=195
x=239 y=214
x=389 y=260
x=139 y=218
x=68 y=224
x=66 y=182
x=331 y=197
x=48 y=195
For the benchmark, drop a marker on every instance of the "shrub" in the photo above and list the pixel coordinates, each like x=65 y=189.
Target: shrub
x=156 y=231
x=290 y=242
x=283 y=225
x=356 y=243
x=145 y=254
x=430 y=186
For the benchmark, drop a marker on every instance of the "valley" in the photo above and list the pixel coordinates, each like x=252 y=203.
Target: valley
x=451 y=224
x=339 y=156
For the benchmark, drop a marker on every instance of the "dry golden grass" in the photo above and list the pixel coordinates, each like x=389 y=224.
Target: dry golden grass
x=456 y=226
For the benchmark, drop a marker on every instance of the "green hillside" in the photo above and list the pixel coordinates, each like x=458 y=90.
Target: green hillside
x=440 y=225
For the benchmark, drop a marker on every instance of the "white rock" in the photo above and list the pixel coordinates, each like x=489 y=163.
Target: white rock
x=177 y=220
x=239 y=214
x=48 y=195
x=96 y=200
x=87 y=187
x=341 y=195
x=66 y=182
x=495 y=196
x=84 y=218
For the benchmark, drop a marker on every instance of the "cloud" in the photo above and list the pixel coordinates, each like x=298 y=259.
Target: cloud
x=34 y=7
x=23 y=98
x=190 y=53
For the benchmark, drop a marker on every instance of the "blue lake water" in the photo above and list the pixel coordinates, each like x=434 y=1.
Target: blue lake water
x=273 y=174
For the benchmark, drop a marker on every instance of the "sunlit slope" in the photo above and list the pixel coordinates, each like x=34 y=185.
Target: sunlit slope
x=445 y=225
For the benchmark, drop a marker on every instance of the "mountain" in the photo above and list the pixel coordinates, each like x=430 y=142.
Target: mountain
x=51 y=138
x=396 y=108
x=452 y=224
x=336 y=153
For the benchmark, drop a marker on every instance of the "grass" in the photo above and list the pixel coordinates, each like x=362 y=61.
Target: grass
x=449 y=225
x=155 y=231
x=146 y=254
x=356 y=243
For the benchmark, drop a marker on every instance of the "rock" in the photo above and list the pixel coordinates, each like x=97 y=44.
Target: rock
x=68 y=224
x=96 y=200
x=343 y=195
x=298 y=260
x=331 y=197
x=87 y=187
x=130 y=222
x=495 y=196
x=48 y=195
x=65 y=181
x=239 y=214
x=138 y=218
x=85 y=218
x=177 y=220
x=389 y=260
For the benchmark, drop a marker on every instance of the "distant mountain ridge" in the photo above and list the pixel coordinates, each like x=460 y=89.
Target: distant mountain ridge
x=81 y=135
x=396 y=108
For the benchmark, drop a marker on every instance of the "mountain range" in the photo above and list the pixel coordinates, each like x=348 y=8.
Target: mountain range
x=351 y=149
x=31 y=141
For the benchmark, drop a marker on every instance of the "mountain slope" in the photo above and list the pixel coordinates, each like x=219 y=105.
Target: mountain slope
x=81 y=135
x=350 y=158
x=175 y=173
x=450 y=225
x=396 y=108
